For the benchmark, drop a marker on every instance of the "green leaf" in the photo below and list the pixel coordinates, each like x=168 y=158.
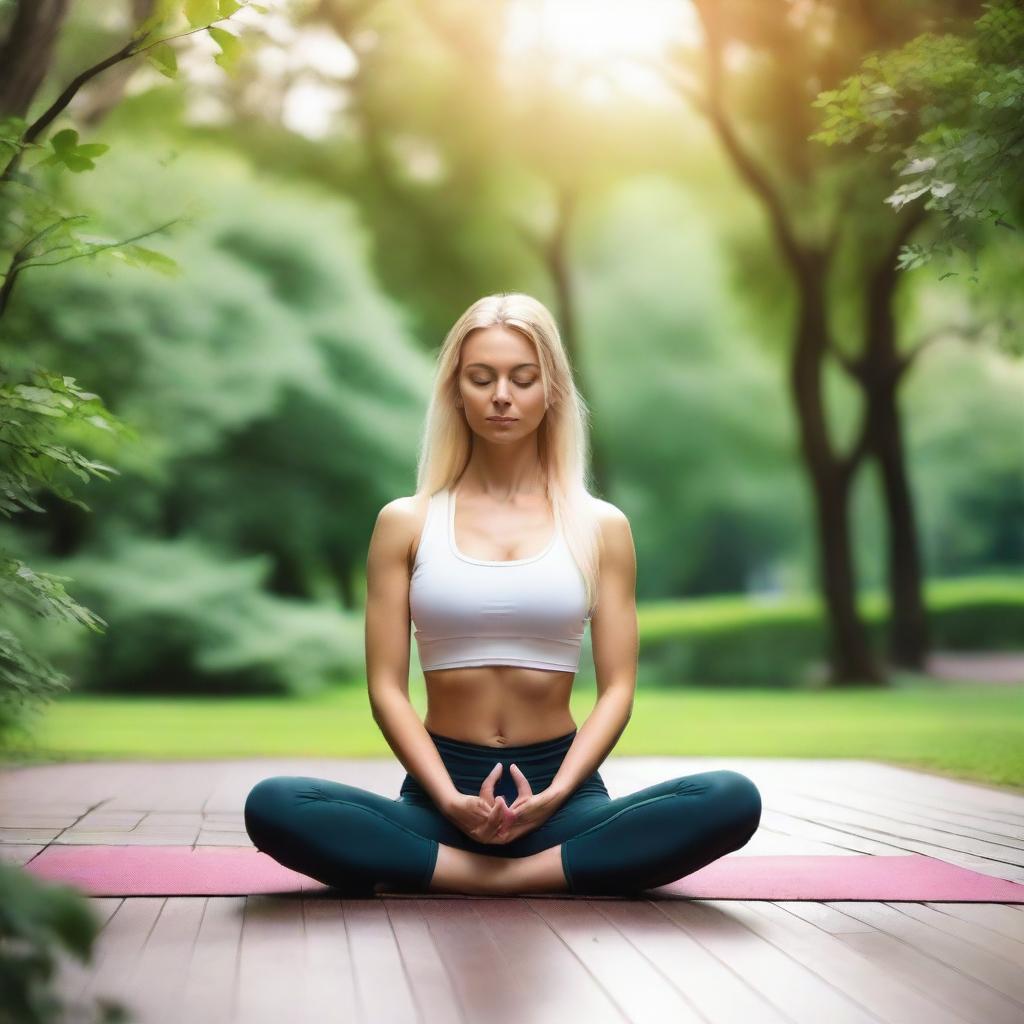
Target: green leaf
x=201 y=12
x=228 y=7
x=77 y=163
x=164 y=59
x=140 y=256
x=231 y=49
x=64 y=141
x=163 y=11
x=68 y=152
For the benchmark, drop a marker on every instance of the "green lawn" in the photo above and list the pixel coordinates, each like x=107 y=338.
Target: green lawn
x=966 y=731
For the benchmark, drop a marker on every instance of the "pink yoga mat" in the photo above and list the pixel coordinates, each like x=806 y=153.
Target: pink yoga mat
x=231 y=871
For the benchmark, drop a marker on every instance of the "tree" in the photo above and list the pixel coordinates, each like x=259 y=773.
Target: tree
x=823 y=210
x=950 y=109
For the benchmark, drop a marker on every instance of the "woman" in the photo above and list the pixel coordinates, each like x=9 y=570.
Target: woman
x=501 y=558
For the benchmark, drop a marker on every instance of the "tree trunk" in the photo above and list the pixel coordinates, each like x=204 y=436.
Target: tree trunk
x=908 y=620
x=26 y=53
x=850 y=656
x=851 y=659
x=559 y=264
x=879 y=376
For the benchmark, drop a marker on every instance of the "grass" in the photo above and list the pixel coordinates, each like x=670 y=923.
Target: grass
x=968 y=731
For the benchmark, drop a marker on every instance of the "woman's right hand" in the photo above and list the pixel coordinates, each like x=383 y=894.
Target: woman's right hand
x=481 y=817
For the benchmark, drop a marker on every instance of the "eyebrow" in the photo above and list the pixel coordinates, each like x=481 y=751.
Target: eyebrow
x=487 y=367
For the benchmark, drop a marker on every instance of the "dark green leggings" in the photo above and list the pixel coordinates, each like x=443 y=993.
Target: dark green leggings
x=354 y=839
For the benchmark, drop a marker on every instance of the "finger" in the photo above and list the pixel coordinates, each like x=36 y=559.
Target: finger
x=522 y=782
x=487 y=786
x=504 y=829
x=509 y=816
x=510 y=809
x=486 y=825
x=495 y=818
x=489 y=808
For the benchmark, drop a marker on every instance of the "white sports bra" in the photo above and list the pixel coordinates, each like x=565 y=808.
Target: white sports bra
x=470 y=611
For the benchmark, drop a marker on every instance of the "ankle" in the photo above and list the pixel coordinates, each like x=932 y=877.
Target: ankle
x=491 y=876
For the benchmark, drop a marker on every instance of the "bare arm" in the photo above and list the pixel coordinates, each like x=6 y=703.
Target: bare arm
x=387 y=651
x=614 y=638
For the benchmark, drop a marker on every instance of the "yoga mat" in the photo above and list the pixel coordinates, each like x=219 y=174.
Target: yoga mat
x=912 y=877
x=230 y=871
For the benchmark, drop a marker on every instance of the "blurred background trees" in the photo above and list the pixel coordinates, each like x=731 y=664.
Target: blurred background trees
x=729 y=287
x=233 y=235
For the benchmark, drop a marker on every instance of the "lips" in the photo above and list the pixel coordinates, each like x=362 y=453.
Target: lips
x=501 y=419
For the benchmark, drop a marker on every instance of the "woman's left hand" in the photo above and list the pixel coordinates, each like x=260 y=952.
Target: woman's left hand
x=528 y=811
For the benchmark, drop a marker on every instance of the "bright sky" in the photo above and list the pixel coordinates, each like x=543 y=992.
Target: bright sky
x=600 y=49
x=601 y=46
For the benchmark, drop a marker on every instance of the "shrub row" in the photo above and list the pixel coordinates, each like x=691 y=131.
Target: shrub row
x=743 y=641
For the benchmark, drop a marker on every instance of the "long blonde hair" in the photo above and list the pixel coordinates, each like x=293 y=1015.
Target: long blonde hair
x=563 y=440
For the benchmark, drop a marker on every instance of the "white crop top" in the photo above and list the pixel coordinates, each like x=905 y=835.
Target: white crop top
x=470 y=611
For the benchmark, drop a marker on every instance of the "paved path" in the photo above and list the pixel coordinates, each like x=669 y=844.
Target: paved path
x=991 y=667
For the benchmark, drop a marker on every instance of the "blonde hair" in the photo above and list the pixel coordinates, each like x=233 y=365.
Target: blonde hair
x=563 y=440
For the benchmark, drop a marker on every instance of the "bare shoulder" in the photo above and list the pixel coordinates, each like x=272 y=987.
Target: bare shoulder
x=607 y=512
x=616 y=533
x=404 y=508
x=400 y=522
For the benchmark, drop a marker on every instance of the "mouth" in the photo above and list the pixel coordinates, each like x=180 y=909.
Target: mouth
x=501 y=419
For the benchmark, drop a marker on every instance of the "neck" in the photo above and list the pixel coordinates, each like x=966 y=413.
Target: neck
x=503 y=472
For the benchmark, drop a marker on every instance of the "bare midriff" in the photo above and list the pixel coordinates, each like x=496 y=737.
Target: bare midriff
x=499 y=705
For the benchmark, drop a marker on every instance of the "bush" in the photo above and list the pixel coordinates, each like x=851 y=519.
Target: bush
x=37 y=920
x=184 y=619
x=750 y=642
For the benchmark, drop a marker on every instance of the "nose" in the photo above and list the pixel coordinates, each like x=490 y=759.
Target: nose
x=501 y=393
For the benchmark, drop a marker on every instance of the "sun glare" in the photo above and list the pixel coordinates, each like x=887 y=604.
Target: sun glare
x=599 y=46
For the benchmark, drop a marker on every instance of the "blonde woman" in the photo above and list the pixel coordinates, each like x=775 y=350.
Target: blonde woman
x=500 y=559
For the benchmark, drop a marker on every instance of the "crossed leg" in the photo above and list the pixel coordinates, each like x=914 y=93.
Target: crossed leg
x=597 y=845
x=360 y=841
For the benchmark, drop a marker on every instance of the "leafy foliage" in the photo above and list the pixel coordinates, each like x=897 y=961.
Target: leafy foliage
x=39 y=411
x=31 y=455
x=32 y=414
x=73 y=155
x=190 y=619
x=38 y=407
x=952 y=107
x=38 y=923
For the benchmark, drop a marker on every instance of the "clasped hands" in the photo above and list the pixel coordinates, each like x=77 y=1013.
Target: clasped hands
x=489 y=819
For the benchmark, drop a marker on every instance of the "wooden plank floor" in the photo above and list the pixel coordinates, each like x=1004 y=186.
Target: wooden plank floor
x=406 y=958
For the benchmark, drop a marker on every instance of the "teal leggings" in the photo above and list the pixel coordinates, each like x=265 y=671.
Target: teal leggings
x=353 y=839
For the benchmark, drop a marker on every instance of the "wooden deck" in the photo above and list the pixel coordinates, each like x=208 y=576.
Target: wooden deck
x=547 y=958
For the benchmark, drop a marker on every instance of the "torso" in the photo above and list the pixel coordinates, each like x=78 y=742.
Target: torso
x=497 y=705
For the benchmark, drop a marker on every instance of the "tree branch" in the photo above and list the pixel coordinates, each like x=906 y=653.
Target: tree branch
x=18 y=265
x=965 y=332
x=64 y=99
x=712 y=107
x=853 y=367
x=861 y=446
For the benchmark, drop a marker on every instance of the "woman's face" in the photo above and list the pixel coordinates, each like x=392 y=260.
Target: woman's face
x=499 y=376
